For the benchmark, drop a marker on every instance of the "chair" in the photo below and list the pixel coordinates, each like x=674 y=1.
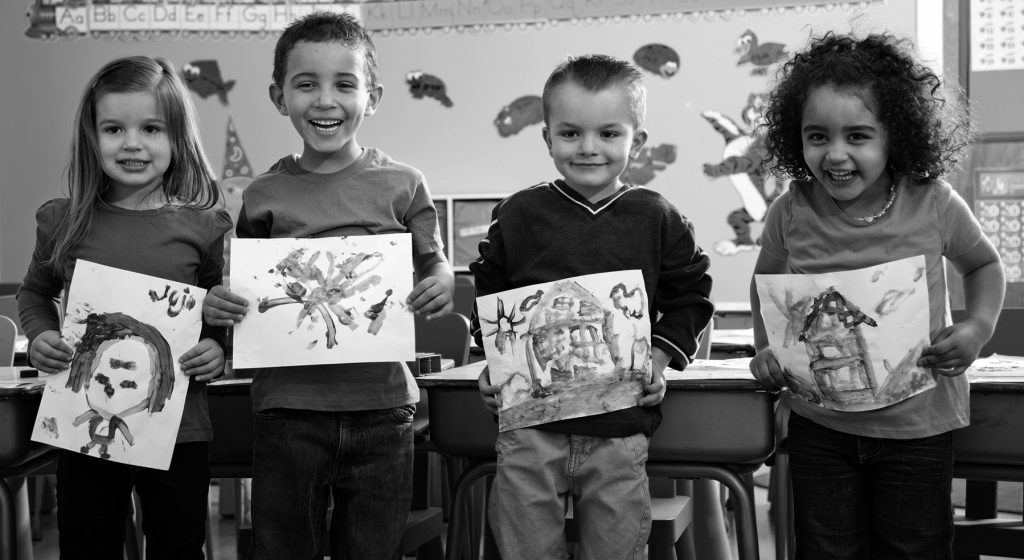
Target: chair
x=9 y=309
x=449 y=337
x=8 y=332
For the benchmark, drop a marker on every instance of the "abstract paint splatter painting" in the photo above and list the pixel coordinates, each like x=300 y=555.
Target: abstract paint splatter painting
x=567 y=349
x=323 y=301
x=123 y=396
x=850 y=340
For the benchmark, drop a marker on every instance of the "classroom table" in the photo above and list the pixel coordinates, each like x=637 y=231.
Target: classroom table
x=19 y=400
x=718 y=424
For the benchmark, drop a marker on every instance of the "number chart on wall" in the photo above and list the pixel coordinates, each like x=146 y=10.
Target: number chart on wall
x=999 y=204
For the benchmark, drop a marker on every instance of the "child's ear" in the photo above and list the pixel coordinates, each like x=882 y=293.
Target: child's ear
x=277 y=98
x=547 y=139
x=639 y=139
x=376 y=92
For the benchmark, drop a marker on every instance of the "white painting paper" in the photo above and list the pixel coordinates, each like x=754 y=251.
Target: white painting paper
x=123 y=396
x=567 y=349
x=323 y=301
x=850 y=340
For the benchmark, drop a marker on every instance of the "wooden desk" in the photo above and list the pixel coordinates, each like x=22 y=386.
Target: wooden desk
x=19 y=401
x=991 y=449
x=718 y=423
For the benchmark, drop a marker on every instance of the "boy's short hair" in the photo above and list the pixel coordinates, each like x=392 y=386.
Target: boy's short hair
x=596 y=72
x=325 y=27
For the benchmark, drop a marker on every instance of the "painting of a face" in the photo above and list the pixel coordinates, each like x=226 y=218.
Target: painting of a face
x=122 y=376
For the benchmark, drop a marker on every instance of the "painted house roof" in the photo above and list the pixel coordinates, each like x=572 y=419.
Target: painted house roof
x=834 y=303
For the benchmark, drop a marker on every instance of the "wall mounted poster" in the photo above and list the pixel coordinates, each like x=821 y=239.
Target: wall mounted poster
x=123 y=396
x=323 y=301
x=850 y=340
x=567 y=349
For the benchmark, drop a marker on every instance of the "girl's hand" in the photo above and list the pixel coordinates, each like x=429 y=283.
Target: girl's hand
x=222 y=308
x=204 y=361
x=490 y=394
x=49 y=353
x=430 y=297
x=766 y=369
x=954 y=349
x=654 y=392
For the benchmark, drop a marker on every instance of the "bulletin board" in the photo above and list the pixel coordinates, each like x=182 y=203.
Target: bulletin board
x=460 y=98
x=992 y=65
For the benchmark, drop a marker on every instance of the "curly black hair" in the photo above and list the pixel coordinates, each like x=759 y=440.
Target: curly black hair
x=928 y=126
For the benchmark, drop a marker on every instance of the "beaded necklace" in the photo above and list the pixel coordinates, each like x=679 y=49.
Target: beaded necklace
x=888 y=204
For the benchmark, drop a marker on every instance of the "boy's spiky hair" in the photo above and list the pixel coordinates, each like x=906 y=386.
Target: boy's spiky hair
x=325 y=27
x=928 y=128
x=596 y=72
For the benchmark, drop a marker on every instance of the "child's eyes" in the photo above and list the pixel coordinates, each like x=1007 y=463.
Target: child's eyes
x=609 y=134
x=568 y=134
x=346 y=85
x=111 y=129
x=815 y=138
x=152 y=129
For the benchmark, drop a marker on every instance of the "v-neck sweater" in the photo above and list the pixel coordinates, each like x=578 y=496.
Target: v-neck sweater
x=550 y=232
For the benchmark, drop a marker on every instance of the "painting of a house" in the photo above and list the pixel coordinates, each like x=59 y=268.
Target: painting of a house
x=566 y=349
x=850 y=340
x=839 y=357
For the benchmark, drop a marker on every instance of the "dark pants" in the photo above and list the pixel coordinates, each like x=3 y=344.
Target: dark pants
x=867 y=498
x=302 y=458
x=94 y=497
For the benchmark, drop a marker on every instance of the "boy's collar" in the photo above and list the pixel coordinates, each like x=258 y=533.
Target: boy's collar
x=594 y=207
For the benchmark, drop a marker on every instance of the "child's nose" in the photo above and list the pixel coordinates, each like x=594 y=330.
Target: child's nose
x=835 y=153
x=132 y=141
x=587 y=144
x=325 y=99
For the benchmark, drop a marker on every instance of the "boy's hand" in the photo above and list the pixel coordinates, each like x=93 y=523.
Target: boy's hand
x=431 y=297
x=204 y=361
x=954 y=349
x=222 y=308
x=654 y=392
x=490 y=394
x=766 y=369
x=49 y=353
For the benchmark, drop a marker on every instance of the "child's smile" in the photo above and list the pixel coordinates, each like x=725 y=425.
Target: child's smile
x=134 y=148
x=591 y=136
x=846 y=149
x=326 y=95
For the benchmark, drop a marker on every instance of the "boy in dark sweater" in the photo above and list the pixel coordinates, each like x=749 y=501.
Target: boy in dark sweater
x=586 y=223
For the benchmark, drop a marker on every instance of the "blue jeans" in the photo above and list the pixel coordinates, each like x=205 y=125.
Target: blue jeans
x=301 y=458
x=858 y=497
x=538 y=471
x=94 y=496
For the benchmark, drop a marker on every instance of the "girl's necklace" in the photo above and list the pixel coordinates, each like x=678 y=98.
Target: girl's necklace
x=888 y=204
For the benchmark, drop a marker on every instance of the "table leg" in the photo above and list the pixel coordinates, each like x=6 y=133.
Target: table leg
x=8 y=524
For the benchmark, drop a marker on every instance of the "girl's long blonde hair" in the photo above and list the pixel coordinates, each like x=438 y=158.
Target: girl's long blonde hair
x=189 y=180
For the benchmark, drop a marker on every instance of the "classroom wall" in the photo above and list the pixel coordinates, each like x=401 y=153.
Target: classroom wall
x=458 y=148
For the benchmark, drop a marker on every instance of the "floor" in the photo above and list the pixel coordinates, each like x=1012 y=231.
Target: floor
x=224 y=547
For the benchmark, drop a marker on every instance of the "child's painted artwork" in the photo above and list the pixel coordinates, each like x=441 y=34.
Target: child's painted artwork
x=519 y=114
x=760 y=55
x=658 y=59
x=741 y=163
x=323 y=301
x=203 y=77
x=423 y=85
x=651 y=161
x=850 y=340
x=123 y=396
x=577 y=347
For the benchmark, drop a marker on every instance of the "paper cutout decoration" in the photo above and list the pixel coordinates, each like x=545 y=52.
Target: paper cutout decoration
x=236 y=163
x=741 y=163
x=519 y=114
x=567 y=349
x=323 y=301
x=427 y=85
x=850 y=340
x=203 y=77
x=123 y=396
x=235 y=177
x=652 y=160
x=760 y=55
x=658 y=59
